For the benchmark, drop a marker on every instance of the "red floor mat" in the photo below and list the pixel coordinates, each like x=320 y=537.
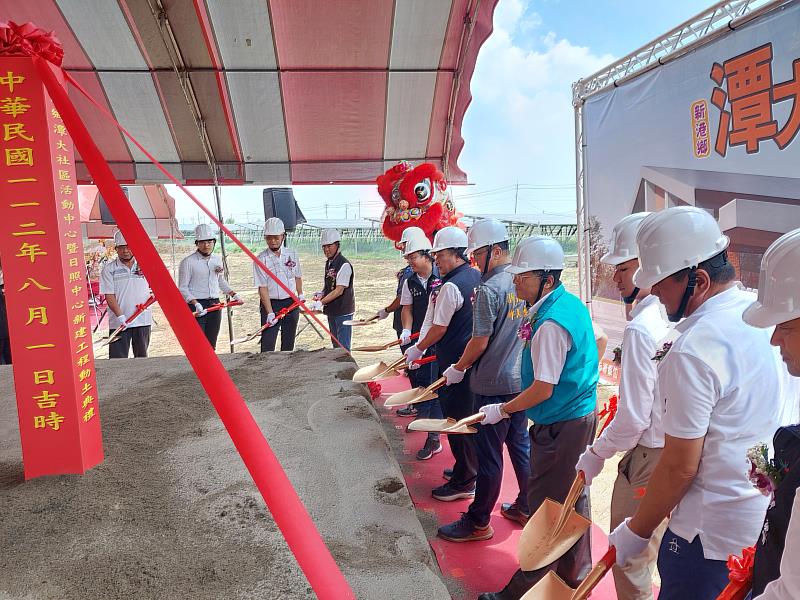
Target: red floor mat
x=477 y=566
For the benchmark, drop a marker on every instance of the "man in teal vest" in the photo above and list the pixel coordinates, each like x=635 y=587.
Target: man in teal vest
x=559 y=381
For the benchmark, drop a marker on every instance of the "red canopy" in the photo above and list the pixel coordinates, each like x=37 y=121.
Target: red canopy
x=275 y=91
x=154 y=207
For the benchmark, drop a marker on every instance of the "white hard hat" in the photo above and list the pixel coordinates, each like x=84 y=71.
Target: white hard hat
x=623 y=240
x=484 y=233
x=204 y=232
x=537 y=253
x=449 y=237
x=119 y=239
x=778 y=284
x=674 y=239
x=330 y=236
x=274 y=226
x=418 y=243
x=410 y=233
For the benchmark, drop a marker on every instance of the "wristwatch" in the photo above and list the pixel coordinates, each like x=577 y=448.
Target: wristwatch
x=503 y=411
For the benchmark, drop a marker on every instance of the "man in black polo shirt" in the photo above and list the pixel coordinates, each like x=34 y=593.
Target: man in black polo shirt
x=448 y=324
x=337 y=299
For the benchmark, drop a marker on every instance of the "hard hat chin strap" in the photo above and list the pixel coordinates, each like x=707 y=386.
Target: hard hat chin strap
x=632 y=297
x=688 y=293
x=488 y=259
x=542 y=281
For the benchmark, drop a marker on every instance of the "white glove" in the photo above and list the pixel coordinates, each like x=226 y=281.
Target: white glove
x=413 y=353
x=199 y=311
x=590 y=464
x=382 y=314
x=301 y=297
x=628 y=544
x=405 y=337
x=271 y=319
x=237 y=298
x=453 y=375
x=316 y=306
x=493 y=413
x=122 y=318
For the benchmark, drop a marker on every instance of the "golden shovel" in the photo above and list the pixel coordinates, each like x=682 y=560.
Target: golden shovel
x=551 y=587
x=361 y=322
x=447 y=426
x=552 y=530
x=382 y=347
x=416 y=395
x=372 y=372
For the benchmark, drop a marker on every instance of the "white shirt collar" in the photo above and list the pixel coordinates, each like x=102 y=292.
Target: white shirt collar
x=536 y=306
x=714 y=303
x=642 y=304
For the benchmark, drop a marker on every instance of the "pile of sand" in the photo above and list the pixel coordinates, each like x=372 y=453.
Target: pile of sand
x=172 y=512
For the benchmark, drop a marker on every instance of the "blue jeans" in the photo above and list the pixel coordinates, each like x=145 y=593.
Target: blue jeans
x=686 y=573
x=513 y=432
x=343 y=333
x=423 y=377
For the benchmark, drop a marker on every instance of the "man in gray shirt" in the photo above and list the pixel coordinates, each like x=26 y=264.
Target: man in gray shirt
x=493 y=353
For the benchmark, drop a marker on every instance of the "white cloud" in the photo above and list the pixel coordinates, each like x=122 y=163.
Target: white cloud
x=520 y=126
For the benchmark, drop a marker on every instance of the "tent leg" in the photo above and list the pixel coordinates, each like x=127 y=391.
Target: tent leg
x=218 y=202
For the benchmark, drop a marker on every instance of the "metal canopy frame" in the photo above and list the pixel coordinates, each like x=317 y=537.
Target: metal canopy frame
x=708 y=25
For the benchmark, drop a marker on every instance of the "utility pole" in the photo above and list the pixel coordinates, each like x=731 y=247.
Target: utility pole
x=516 y=197
x=345 y=212
x=326 y=211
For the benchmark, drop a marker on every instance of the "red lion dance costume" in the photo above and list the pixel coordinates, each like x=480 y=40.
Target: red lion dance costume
x=415 y=197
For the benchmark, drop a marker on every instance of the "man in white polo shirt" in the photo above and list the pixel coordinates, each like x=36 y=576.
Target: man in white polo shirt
x=721 y=393
x=776 y=568
x=285 y=265
x=124 y=286
x=201 y=277
x=636 y=428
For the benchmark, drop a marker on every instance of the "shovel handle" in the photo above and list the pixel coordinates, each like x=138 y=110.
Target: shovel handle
x=397 y=341
x=569 y=502
x=425 y=361
x=466 y=421
x=595 y=575
x=436 y=384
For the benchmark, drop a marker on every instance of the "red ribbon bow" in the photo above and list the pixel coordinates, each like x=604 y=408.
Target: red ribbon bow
x=741 y=568
x=28 y=40
x=610 y=409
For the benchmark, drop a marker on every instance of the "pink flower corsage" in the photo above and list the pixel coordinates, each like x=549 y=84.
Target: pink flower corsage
x=525 y=331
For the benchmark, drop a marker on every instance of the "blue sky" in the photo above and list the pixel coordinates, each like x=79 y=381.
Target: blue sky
x=519 y=128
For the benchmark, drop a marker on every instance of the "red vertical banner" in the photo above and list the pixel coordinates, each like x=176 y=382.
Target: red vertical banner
x=45 y=280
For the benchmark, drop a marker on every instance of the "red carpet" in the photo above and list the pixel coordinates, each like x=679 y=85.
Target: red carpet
x=479 y=566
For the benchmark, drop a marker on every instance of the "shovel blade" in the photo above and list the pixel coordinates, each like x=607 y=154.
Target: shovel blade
x=537 y=547
x=408 y=397
x=430 y=424
x=365 y=374
x=549 y=587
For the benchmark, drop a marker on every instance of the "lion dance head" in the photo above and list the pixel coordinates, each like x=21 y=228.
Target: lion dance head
x=415 y=197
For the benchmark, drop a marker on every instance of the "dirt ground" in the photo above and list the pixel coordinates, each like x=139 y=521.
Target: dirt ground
x=172 y=512
x=375 y=283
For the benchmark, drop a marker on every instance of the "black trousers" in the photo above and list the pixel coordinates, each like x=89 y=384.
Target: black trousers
x=138 y=337
x=287 y=327
x=210 y=322
x=555 y=450
x=458 y=402
x=5 y=351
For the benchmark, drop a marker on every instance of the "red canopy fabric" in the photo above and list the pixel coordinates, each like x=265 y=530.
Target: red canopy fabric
x=154 y=207
x=287 y=91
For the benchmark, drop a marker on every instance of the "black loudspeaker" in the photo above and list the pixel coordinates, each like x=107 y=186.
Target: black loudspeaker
x=280 y=202
x=105 y=214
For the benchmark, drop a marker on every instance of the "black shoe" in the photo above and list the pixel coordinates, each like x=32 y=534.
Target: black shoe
x=408 y=411
x=489 y=596
x=430 y=448
x=464 y=530
x=513 y=513
x=447 y=474
x=448 y=492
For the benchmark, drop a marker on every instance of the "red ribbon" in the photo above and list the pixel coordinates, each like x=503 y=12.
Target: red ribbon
x=740 y=574
x=281 y=498
x=374 y=389
x=741 y=568
x=28 y=40
x=610 y=409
